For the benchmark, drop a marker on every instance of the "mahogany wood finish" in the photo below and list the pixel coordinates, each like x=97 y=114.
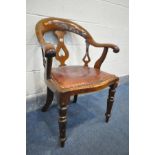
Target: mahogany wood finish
x=110 y=100
x=86 y=58
x=75 y=98
x=49 y=100
x=66 y=81
x=61 y=45
x=99 y=62
x=63 y=103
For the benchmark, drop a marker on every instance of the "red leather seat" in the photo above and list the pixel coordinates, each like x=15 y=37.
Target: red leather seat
x=68 y=77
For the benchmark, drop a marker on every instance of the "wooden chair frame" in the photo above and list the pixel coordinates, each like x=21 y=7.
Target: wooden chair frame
x=60 y=27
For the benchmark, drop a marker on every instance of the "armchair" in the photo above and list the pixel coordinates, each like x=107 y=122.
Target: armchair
x=65 y=81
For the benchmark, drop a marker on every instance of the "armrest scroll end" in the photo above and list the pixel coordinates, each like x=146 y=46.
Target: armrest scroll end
x=50 y=53
x=116 y=49
x=49 y=50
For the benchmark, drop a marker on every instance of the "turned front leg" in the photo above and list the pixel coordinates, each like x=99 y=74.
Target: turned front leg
x=63 y=118
x=110 y=100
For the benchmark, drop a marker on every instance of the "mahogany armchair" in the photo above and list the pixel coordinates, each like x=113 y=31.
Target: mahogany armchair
x=65 y=81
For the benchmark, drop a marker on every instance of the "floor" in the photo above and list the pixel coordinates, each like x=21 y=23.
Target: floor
x=87 y=132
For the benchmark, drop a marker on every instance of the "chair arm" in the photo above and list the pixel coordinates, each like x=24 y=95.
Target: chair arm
x=113 y=46
x=49 y=52
x=99 y=62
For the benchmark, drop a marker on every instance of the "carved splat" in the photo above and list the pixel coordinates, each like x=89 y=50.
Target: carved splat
x=101 y=59
x=61 y=57
x=86 y=59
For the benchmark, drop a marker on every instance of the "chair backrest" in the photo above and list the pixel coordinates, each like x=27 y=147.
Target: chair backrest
x=59 y=27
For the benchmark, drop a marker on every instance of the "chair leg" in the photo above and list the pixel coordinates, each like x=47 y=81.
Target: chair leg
x=75 y=99
x=110 y=100
x=63 y=102
x=49 y=100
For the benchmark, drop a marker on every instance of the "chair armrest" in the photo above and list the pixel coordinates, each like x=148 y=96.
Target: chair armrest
x=99 y=62
x=113 y=46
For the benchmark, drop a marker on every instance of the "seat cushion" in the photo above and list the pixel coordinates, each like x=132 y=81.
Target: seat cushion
x=69 y=77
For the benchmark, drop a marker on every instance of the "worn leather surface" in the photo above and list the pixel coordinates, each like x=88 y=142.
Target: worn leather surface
x=80 y=76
